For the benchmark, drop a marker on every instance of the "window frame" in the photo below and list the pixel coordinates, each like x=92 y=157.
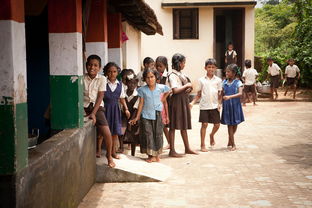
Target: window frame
x=176 y=20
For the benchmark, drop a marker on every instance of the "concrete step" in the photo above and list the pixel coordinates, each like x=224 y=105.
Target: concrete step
x=130 y=169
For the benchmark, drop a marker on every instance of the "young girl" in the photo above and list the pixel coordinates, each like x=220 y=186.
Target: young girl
x=132 y=100
x=151 y=135
x=179 y=111
x=162 y=68
x=230 y=55
x=114 y=93
x=232 y=112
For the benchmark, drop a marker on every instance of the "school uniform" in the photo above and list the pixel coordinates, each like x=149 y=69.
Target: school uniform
x=291 y=74
x=179 y=111
x=274 y=72
x=151 y=126
x=114 y=91
x=230 y=57
x=250 y=75
x=141 y=82
x=90 y=93
x=208 y=104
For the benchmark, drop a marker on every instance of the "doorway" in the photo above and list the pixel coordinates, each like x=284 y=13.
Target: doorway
x=229 y=26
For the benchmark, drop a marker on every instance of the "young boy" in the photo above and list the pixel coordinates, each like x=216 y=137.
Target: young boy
x=94 y=87
x=210 y=87
x=275 y=73
x=292 y=74
x=249 y=78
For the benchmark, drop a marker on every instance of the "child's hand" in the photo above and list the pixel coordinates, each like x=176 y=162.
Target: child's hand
x=92 y=116
x=133 y=121
x=189 y=85
x=191 y=105
x=127 y=114
x=219 y=107
x=188 y=90
x=226 y=97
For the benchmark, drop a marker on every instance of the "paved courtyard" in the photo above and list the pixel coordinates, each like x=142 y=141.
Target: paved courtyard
x=271 y=168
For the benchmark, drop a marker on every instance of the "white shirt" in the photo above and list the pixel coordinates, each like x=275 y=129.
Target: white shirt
x=274 y=69
x=292 y=71
x=140 y=78
x=129 y=98
x=250 y=75
x=174 y=79
x=91 y=89
x=209 y=92
x=114 y=85
x=230 y=53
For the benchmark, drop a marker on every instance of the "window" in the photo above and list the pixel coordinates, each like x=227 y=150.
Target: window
x=185 y=23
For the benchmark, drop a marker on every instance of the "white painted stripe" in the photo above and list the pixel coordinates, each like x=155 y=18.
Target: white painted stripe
x=115 y=55
x=13 y=80
x=98 y=48
x=65 y=53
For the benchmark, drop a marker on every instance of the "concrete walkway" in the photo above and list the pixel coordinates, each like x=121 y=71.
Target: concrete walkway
x=271 y=168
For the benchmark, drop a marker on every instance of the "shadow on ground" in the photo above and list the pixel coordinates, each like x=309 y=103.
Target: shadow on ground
x=298 y=154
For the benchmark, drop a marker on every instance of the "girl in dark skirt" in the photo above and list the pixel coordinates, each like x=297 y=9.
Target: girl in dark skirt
x=232 y=112
x=151 y=127
x=179 y=110
x=114 y=93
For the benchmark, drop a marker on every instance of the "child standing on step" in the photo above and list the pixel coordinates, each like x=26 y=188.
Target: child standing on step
x=94 y=88
x=232 y=112
x=114 y=93
x=209 y=93
x=179 y=110
x=292 y=74
x=151 y=126
x=162 y=68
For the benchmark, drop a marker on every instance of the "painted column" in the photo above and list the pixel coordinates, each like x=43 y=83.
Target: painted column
x=13 y=97
x=249 y=33
x=114 y=38
x=96 y=40
x=66 y=67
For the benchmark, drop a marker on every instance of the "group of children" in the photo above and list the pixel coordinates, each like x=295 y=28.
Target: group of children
x=139 y=109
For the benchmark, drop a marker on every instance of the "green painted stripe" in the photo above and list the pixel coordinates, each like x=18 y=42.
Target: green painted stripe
x=66 y=101
x=13 y=138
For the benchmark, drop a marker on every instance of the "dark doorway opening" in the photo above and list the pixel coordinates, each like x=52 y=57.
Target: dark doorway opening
x=229 y=26
x=37 y=60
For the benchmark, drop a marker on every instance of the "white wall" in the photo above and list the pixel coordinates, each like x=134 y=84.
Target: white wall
x=131 y=49
x=195 y=50
x=249 y=33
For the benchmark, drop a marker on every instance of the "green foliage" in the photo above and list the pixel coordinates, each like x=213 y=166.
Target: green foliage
x=284 y=31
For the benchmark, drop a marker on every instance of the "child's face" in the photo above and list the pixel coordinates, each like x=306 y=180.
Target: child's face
x=150 y=65
x=270 y=62
x=112 y=73
x=93 y=67
x=150 y=79
x=182 y=65
x=210 y=68
x=132 y=84
x=291 y=62
x=160 y=67
x=230 y=47
x=229 y=74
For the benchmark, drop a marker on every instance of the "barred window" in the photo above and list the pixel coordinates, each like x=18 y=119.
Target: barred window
x=185 y=23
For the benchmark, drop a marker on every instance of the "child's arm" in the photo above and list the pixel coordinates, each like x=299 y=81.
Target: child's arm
x=124 y=105
x=196 y=98
x=178 y=90
x=220 y=93
x=237 y=95
x=133 y=121
x=97 y=104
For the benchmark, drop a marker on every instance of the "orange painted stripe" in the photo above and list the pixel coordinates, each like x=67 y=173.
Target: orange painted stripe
x=12 y=10
x=65 y=16
x=114 y=30
x=97 y=24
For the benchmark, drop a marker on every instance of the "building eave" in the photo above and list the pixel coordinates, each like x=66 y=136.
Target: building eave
x=169 y=4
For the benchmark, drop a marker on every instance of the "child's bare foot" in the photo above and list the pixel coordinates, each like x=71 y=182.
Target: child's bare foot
x=157 y=158
x=151 y=159
x=229 y=147
x=110 y=163
x=174 y=154
x=189 y=151
x=120 y=150
x=233 y=148
x=98 y=154
x=212 y=141
x=203 y=149
x=129 y=147
x=115 y=156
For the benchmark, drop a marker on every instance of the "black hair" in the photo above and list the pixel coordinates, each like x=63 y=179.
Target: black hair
x=109 y=65
x=155 y=72
x=125 y=71
x=96 y=57
x=163 y=60
x=291 y=59
x=233 y=68
x=269 y=59
x=134 y=78
x=248 y=63
x=230 y=43
x=148 y=60
x=210 y=61
x=176 y=60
